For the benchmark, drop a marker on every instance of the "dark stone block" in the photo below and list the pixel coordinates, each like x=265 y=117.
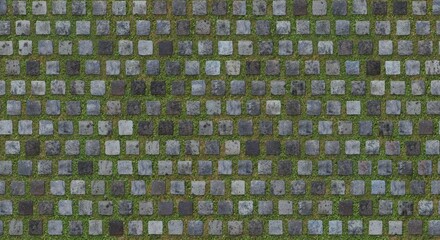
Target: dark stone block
x=219 y=7
x=33 y=108
x=415 y=227
x=116 y=228
x=45 y=208
x=412 y=148
x=185 y=128
x=158 y=187
x=165 y=48
x=405 y=208
x=284 y=168
x=373 y=107
x=340 y=7
x=358 y=88
x=380 y=8
x=244 y=167
x=346 y=208
x=298 y=88
x=105 y=47
x=293 y=107
x=292 y=68
x=185 y=208
x=160 y=7
x=225 y=208
x=345 y=47
x=266 y=47
x=385 y=128
x=73 y=108
x=133 y=107
x=145 y=128
x=118 y=87
x=273 y=148
x=417 y=187
x=384 y=167
x=325 y=168
x=373 y=67
x=400 y=7
x=195 y=228
x=425 y=47
x=166 y=128
x=77 y=87
x=172 y=67
x=158 y=88
x=73 y=67
x=365 y=47
x=165 y=208
x=85 y=167
x=299 y=7
x=253 y=67
x=292 y=148
x=426 y=127
x=212 y=148
x=138 y=87
x=273 y=67
x=25 y=208
x=183 y=27
x=263 y=27
x=75 y=228
x=366 y=208
x=317 y=188
x=252 y=148
x=118 y=188
x=32 y=148
x=306 y=208
x=295 y=227
x=24 y=168
x=178 y=88
x=365 y=128
x=266 y=128
x=238 y=87
x=78 y=7
x=179 y=7
x=258 y=88
x=405 y=168
x=33 y=68
x=53 y=148
x=218 y=88
x=37 y=187
x=345 y=167
x=255 y=227
x=245 y=128
x=35 y=227
x=205 y=168
x=174 y=108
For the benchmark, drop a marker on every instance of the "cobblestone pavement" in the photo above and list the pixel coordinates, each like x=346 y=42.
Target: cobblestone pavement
x=214 y=117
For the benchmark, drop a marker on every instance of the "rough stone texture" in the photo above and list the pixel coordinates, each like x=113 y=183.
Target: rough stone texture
x=229 y=108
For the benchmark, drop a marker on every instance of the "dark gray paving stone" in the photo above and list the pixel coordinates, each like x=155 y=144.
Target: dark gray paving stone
x=415 y=227
x=339 y=7
x=36 y=227
x=185 y=208
x=300 y=7
x=400 y=7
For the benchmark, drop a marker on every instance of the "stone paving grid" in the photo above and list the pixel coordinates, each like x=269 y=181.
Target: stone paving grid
x=283 y=117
